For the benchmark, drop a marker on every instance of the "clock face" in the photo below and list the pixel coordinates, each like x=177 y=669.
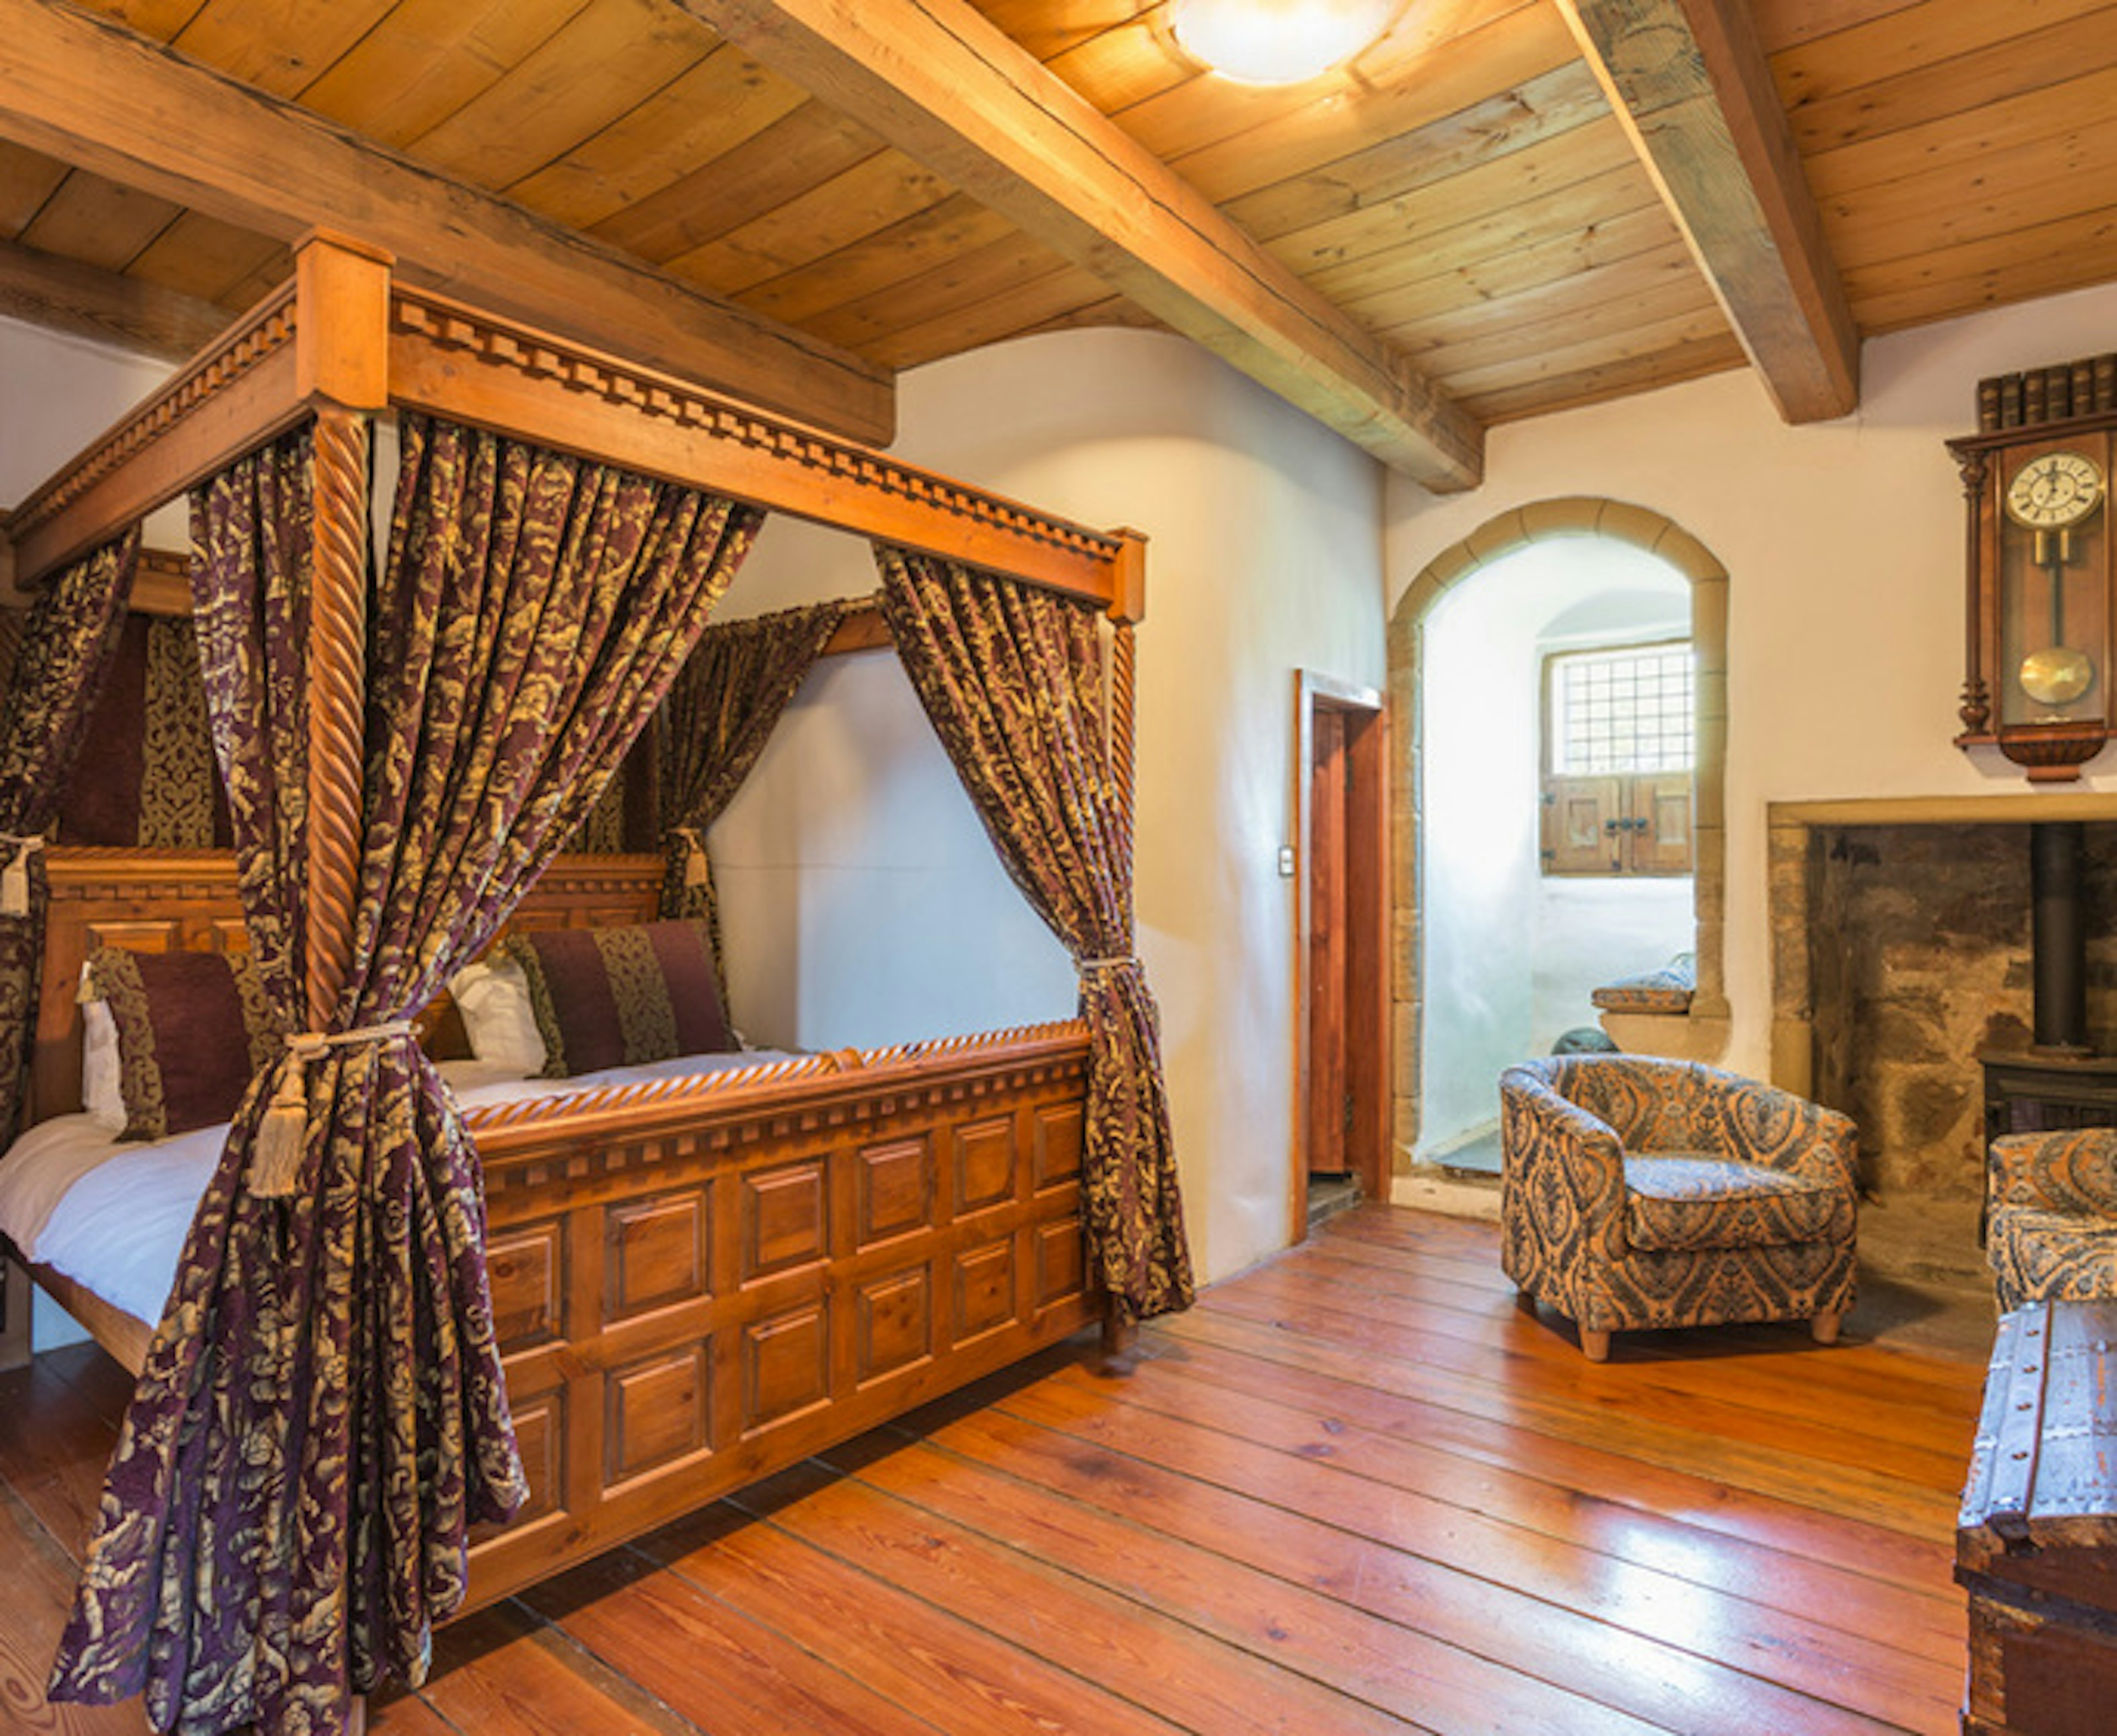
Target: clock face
x=2054 y=491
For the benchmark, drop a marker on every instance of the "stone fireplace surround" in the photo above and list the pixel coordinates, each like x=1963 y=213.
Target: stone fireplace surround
x=1900 y=948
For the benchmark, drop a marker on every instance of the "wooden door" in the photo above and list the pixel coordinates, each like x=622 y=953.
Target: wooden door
x=1341 y=1104
x=1327 y=909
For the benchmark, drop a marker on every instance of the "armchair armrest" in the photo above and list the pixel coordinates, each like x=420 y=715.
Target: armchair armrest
x=2072 y=1172
x=1762 y=1125
x=1544 y=1135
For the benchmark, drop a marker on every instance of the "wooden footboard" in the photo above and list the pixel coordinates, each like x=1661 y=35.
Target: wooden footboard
x=695 y=1287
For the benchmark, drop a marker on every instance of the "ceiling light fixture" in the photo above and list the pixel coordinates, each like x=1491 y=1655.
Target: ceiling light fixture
x=1276 y=42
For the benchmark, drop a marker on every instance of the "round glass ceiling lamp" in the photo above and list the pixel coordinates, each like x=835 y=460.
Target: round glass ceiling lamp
x=1276 y=42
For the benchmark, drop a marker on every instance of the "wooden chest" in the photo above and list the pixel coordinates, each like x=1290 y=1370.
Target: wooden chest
x=2036 y=1543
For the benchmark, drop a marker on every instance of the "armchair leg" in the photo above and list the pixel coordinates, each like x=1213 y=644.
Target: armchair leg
x=1594 y=1346
x=1824 y=1327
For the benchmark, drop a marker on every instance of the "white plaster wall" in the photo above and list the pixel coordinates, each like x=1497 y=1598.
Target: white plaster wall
x=1589 y=932
x=861 y=902
x=1477 y=845
x=1265 y=556
x=1843 y=544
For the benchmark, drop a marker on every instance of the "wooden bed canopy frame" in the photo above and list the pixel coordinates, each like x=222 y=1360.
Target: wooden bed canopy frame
x=699 y=1282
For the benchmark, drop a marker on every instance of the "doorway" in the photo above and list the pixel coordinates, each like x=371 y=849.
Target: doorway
x=1341 y=1096
x=1453 y=993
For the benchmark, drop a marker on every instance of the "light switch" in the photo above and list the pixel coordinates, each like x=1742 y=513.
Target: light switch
x=1286 y=861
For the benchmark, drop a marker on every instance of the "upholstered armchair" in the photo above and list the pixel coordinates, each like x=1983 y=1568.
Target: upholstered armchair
x=2051 y=1224
x=1638 y=1192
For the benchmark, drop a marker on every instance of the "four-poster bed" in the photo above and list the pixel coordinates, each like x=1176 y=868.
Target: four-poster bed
x=694 y=1280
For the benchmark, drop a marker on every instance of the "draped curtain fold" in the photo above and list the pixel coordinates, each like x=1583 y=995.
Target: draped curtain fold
x=322 y=1416
x=720 y=713
x=61 y=658
x=1011 y=677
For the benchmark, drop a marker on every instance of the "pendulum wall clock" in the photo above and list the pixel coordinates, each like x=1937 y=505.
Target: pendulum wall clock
x=2042 y=588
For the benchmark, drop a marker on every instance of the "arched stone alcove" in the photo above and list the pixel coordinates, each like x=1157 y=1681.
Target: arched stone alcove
x=1703 y=1032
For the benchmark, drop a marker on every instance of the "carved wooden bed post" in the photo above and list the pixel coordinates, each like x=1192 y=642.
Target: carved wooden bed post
x=342 y=369
x=1127 y=606
x=342 y=362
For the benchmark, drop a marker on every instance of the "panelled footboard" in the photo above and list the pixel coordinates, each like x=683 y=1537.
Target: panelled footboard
x=695 y=1281
x=696 y=1286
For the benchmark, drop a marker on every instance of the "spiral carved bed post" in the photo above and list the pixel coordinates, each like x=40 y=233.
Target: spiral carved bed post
x=344 y=338
x=343 y=351
x=1127 y=608
x=338 y=672
x=1128 y=605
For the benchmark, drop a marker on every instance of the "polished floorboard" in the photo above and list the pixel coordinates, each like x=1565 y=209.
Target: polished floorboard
x=1358 y=1488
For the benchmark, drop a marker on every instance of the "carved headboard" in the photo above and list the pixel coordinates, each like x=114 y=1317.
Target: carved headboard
x=162 y=901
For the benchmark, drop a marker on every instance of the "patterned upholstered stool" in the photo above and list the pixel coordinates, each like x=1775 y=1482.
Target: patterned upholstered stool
x=1638 y=1192
x=2051 y=1201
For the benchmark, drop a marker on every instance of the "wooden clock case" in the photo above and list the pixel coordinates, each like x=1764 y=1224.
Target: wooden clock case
x=2070 y=407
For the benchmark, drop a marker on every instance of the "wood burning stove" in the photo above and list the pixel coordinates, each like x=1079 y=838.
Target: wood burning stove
x=2059 y=1081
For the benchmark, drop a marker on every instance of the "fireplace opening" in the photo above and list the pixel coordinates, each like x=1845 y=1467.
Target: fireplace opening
x=1960 y=981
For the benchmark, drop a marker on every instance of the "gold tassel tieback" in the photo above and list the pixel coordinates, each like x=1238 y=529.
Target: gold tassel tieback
x=696 y=873
x=276 y=1162
x=15 y=877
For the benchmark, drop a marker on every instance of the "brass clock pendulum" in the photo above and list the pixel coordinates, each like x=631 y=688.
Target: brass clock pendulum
x=2049 y=496
x=2058 y=674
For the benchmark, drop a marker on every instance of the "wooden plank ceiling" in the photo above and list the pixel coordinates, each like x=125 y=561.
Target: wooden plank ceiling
x=1462 y=192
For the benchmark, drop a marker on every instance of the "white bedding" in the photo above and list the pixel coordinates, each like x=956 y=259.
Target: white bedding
x=112 y=1215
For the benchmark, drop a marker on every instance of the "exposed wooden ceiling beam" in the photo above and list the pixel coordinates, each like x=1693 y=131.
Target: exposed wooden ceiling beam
x=1689 y=80
x=944 y=85
x=94 y=94
x=64 y=295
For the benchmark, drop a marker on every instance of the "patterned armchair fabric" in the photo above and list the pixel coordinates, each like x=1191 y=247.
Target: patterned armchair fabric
x=2052 y=1234
x=1638 y=1192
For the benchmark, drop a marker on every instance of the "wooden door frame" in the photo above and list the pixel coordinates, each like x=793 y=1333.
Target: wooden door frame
x=1367 y=846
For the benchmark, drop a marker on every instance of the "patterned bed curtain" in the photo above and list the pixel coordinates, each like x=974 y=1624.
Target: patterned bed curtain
x=719 y=715
x=62 y=660
x=13 y=621
x=155 y=787
x=322 y=1416
x=1012 y=677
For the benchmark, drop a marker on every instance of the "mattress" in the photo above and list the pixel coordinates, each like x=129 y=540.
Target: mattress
x=112 y=1214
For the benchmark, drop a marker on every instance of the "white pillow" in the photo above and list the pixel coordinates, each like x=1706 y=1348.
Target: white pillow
x=101 y=1092
x=497 y=1016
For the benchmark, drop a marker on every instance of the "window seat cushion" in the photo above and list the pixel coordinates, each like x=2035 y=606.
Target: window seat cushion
x=1668 y=989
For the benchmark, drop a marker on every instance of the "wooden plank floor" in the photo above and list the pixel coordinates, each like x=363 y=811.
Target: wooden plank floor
x=1357 y=1490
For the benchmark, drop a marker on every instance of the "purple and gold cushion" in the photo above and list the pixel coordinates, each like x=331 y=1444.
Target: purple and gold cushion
x=620 y=997
x=193 y=1030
